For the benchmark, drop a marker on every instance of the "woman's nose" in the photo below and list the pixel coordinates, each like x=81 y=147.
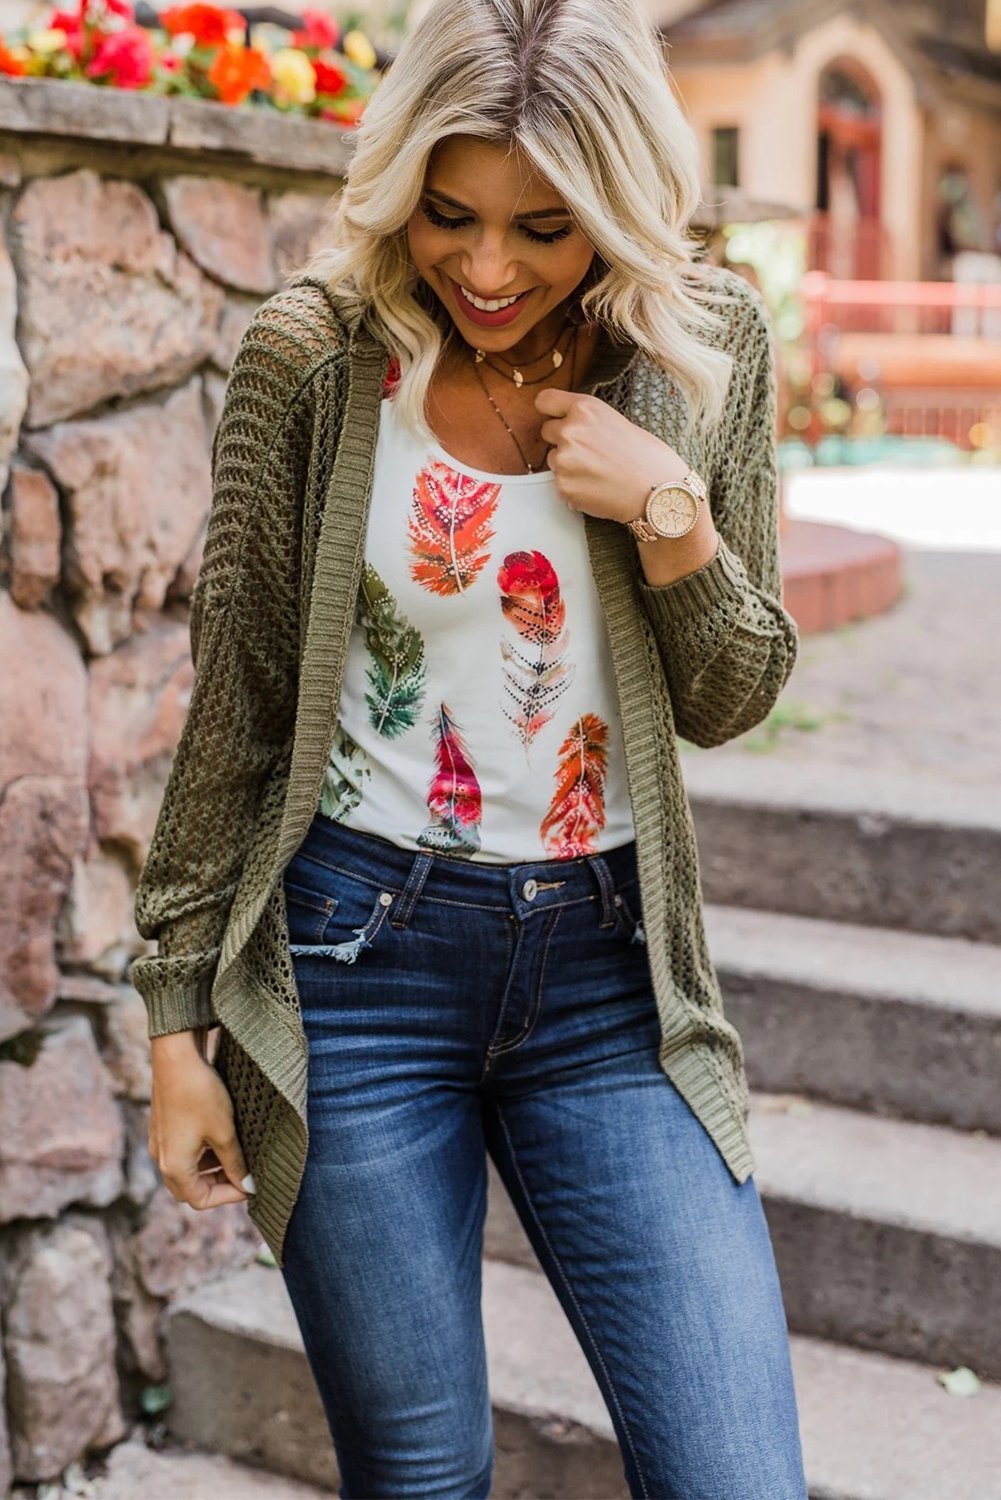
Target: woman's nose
x=489 y=270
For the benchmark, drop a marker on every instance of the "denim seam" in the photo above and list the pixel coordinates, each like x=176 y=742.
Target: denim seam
x=572 y=1295
x=533 y=1014
x=320 y=914
x=492 y=1051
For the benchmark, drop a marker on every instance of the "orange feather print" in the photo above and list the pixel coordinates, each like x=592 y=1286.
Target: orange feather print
x=576 y=813
x=449 y=528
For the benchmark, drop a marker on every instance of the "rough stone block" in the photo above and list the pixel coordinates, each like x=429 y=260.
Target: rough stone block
x=223 y=227
x=62 y=1384
x=61 y=1135
x=110 y=305
x=138 y=489
x=34 y=536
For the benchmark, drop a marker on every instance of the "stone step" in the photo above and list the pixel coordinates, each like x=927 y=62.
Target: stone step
x=135 y=1472
x=894 y=1022
x=887 y=1233
x=874 y=1427
x=820 y=839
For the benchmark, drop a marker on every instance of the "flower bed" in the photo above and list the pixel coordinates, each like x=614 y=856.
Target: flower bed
x=202 y=51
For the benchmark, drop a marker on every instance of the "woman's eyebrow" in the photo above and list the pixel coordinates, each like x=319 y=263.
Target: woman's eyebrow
x=537 y=213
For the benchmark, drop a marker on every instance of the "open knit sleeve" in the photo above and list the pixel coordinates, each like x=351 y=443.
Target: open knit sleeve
x=726 y=643
x=244 y=647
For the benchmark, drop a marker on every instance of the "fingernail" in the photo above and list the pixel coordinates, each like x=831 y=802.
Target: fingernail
x=248 y=1184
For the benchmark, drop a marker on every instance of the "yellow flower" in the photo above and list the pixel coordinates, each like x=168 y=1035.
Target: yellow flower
x=356 y=46
x=292 y=71
x=51 y=39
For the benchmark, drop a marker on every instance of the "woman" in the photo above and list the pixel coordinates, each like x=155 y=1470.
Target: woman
x=493 y=524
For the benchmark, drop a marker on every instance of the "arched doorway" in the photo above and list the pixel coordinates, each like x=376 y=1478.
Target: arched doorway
x=848 y=240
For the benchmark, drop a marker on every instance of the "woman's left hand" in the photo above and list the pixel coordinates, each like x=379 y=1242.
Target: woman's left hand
x=604 y=464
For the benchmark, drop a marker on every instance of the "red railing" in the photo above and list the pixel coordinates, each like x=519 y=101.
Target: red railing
x=931 y=350
x=966 y=310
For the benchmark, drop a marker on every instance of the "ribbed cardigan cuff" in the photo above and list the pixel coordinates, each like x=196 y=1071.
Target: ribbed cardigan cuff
x=177 y=1007
x=722 y=579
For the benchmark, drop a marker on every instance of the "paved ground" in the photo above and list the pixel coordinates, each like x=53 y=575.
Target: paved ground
x=916 y=689
x=135 y=1472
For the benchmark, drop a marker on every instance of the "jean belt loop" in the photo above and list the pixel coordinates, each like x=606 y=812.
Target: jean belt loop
x=606 y=885
x=409 y=896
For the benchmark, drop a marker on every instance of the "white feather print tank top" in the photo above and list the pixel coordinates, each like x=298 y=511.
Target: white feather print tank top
x=478 y=713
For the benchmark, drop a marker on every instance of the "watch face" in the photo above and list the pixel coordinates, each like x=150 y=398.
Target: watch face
x=673 y=511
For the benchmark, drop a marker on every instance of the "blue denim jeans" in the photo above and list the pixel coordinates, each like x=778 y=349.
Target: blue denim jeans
x=453 y=1009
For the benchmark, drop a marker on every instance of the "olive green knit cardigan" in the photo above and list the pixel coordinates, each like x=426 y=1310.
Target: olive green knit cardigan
x=704 y=657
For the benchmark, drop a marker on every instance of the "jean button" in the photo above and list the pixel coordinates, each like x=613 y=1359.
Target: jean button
x=529 y=889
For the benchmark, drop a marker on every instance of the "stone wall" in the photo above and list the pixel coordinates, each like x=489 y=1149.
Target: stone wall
x=138 y=235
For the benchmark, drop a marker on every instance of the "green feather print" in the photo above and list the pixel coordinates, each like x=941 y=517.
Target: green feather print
x=396 y=676
x=342 y=781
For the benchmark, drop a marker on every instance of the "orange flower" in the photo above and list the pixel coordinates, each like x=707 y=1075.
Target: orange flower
x=236 y=70
x=210 y=25
x=13 y=66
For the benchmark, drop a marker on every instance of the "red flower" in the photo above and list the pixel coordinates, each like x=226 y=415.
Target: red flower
x=209 y=24
x=125 y=59
x=329 y=77
x=236 y=70
x=319 y=31
x=116 y=7
x=65 y=20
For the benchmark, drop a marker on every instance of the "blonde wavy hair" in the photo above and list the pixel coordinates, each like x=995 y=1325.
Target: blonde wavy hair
x=580 y=86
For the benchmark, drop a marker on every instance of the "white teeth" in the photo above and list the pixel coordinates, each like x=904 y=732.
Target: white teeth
x=492 y=306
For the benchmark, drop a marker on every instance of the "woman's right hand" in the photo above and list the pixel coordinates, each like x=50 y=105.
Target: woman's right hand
x=192 y=1133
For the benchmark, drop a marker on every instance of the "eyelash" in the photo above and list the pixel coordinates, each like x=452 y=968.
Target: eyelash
x=443 y=222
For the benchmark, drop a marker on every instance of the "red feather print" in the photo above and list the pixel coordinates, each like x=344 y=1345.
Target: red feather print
x=454 y=798
x=450 y=527
x=532 y=603
x=577 y=812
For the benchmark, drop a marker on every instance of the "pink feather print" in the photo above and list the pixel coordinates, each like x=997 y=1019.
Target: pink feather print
x=454 y=798
x=577 y=812
x=534 y=681
x=450 y=527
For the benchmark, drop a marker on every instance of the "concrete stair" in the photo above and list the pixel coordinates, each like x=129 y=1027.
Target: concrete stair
x=878 y=848
x=242 y=1386
x=855 y=923
x=881 y=1019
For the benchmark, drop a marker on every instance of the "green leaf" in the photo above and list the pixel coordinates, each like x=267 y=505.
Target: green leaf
x=959 y=1382
x=155 y=1398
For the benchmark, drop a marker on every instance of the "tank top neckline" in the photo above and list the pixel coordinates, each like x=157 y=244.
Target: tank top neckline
x=543 y=476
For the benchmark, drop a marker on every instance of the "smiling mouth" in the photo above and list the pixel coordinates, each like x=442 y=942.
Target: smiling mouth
x=492 y=304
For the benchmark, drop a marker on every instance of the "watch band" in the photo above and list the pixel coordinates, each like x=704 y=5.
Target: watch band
x=641 y=527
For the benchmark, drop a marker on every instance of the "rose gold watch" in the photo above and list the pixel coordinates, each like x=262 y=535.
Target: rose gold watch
x=671 y=509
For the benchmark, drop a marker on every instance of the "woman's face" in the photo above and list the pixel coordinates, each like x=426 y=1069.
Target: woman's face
x=489 y=225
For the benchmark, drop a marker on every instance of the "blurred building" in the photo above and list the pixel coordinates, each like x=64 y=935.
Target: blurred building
x=882 y=123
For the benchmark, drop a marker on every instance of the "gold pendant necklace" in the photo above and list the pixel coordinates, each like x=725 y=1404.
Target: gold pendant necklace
x=554 y=355
x=573 y=376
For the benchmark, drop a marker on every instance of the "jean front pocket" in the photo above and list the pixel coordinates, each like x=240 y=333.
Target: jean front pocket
x=332 y=913
x=307 y=912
